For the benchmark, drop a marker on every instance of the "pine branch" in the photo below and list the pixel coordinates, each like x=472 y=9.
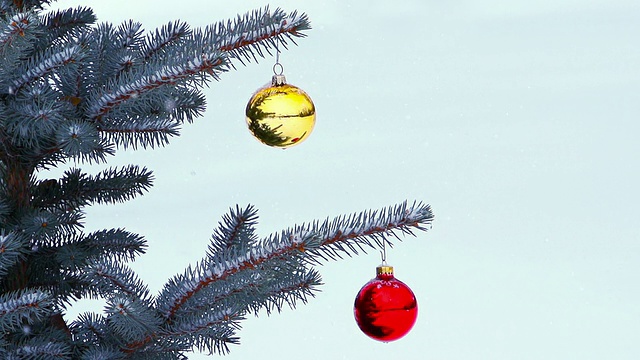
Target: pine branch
x=271 y=273
x=109 y=277
x=77 y=189
x=12 y=250
x=21 y=5
x=171 y=34
x=49 y=62
x=4 y=207
x=32 y=120
x=256 y=31
x=21 y=308
x=17 y=34
x=16 y=27
x=42 y=351
x=212 y=331
x=211 y=63
x=44 y=227
x=235 y=231
x=358 y=231
x=286 y=291
x=130 y=319
x=148 y=132
x=66 y=23
x=81 y=141
x=75 y=253
x=181 y=289
x=325 y=241
x=72 y=91
x=91 y=330
x=117 y=244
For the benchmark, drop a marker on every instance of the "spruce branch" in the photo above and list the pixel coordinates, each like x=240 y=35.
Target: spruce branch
x=81 y=141
x=235 y=230
x=211 y=63
x=314 y=241
x=67 y=21
x=258 y=31
x=65 y=24
x=109 y=277
x=20 y=308
x=171 y=34
x=359 y=231
x=117 y=244
x=211 y=331
x=12 y=250
x=146 y=131
x=15 y=27
x=21 y=5
x=17 y=34
x=91 y=330
x=71 y=90
x=181 y=289
x=131 y=319
x=287 y=290
x=76 y=189
x=46 y=64
x=43 y=351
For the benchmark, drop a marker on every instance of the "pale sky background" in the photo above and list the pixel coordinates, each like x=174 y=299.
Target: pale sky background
x=516 y=120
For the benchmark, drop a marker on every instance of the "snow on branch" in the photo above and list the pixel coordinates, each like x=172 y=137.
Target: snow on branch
x=307 y=242
x=109 y=277
x=235 y=229
x=258 y=30
x=17 y=26
x=355 y=232
x=288 y=291
x=182 y=288
x=66 y=22
x=168 y=34
x=47 y=65
x=47 y=350
x=18 y=309
x=213 y=331
x=211 y=63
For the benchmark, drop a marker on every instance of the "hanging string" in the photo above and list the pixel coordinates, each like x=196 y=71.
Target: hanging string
x=278 y=69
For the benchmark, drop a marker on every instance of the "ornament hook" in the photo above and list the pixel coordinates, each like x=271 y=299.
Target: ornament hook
x=383 y=253
x=278 y=69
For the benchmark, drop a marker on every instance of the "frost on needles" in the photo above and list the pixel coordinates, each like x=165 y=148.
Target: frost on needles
x=75 y=91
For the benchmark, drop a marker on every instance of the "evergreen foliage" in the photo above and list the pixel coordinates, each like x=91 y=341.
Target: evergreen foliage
x=75 y=90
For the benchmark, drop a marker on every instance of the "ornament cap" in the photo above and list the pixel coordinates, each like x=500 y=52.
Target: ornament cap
x=278 y=80
x=384 y=269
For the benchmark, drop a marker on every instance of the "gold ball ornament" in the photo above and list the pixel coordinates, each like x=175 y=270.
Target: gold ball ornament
x=280 y=115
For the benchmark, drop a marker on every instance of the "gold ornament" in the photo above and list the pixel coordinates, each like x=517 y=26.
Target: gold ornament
x=280 y=115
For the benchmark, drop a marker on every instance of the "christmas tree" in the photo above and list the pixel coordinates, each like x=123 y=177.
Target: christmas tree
x=73 y=91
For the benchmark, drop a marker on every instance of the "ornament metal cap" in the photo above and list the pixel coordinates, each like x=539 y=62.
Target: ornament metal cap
x=384 y=269
x=278 y=80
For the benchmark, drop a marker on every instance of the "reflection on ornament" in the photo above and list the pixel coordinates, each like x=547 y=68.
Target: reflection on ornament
x=385 y=308
x=280 y=115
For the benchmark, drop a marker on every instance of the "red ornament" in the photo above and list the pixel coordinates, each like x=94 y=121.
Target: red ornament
x=385 y=308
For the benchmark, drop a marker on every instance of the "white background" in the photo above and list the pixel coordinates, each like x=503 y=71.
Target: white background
x=517 y=121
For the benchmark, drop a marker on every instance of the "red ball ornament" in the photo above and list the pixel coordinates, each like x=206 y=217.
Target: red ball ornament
x=385 y=308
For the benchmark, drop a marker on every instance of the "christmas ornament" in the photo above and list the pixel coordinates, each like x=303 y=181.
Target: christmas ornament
x=385 y=308
x=280 y=115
